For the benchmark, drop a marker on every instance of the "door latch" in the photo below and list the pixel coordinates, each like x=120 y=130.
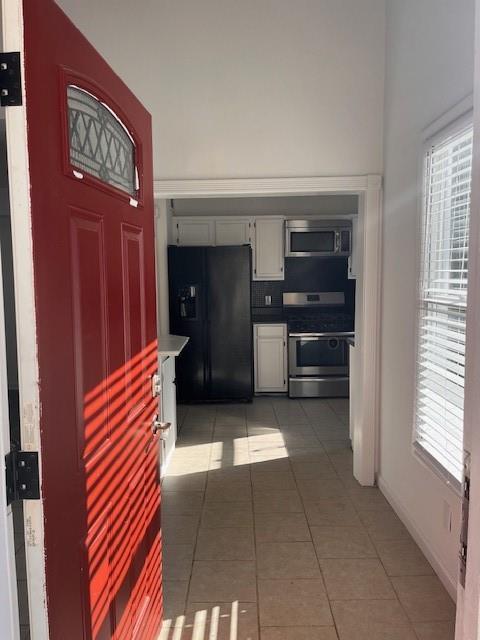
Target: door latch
x=23 y=481
x=160 y=427
x=465 y=516
x=10 y=79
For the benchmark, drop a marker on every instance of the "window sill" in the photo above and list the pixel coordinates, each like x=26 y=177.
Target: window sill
x=434 y=467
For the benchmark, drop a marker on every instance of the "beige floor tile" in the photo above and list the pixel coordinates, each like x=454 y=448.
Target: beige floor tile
x=336 y=431
x=267 y=451
x=367 y=497
x=187 y=444
x=228 y=431
x=223 y=581
x=383 y=524
x=342 y=542
x=371 y=620
x=310 y=454
x=314 y=470
x=262 y=428
x=227 y=514
x=190 y=454
x=280 y=465
x=293 y=603
x=270 y=439
x=332 y=512
x=216 y=621
x=225 y=544
x=298 y=633
x=236 y=459
x=230 y=420
x=177 y=561
x=174 y=598
x=274 y=481
x=229 y=492
x=189 y=482
x=229 y=474
x=281 y=527
x=229 y=456
x=342 y=460
x=337 y=445
x=287 y=560
x=180 y=529
x=188 y=466
x=312 y=489
x=277 y=502
x=296 y=440
x=361 y=579
x=403 y=558
x=435 y=630
x=181 y=503
x=424 y=598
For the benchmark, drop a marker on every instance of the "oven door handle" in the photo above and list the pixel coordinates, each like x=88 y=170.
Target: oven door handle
x=317 y=336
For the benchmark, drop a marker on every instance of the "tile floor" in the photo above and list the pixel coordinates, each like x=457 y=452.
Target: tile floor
x=267 y=535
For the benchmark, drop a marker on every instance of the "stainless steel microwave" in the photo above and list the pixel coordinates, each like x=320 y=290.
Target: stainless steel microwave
x=318 y=238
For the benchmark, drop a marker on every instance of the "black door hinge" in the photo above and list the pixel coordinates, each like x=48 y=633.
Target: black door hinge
x=23 y=482
x=10 y=79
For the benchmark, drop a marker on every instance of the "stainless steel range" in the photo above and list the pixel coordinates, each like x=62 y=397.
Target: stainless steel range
x=318 y=333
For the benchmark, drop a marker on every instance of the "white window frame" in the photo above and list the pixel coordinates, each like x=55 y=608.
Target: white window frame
x=452 y=122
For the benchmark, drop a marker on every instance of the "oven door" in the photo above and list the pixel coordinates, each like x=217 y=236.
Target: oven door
x=317 y=355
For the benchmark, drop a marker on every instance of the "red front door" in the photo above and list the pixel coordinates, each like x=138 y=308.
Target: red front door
x=90 y=164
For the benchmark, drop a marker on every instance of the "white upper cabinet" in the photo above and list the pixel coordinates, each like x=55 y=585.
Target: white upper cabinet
x=269 y=249
x=265 y=234
x=193 y=232
x=233 y=231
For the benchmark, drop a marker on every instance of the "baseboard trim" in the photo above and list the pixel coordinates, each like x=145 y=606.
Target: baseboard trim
x=446 y=579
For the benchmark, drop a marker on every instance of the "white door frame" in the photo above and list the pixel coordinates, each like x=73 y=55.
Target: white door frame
x=19 y=189
x=468 y=599
x=367 y=315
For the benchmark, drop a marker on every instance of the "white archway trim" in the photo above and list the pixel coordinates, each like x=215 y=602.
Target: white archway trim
x=367 y=339
x=238 y=187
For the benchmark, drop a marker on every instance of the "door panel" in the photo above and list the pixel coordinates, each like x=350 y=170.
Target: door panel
x=89 y=322
x=91 y=192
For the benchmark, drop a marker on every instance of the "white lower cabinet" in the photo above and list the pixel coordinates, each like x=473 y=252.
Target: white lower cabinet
x=270 y=355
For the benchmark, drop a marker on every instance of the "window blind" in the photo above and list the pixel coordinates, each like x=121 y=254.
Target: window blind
x=442 y=303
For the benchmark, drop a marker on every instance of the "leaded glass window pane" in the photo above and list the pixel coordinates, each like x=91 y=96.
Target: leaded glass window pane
x=99 y=143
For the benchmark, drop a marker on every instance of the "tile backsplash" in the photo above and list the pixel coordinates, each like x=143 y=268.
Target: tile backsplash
x=260 y=289
x=306 y=274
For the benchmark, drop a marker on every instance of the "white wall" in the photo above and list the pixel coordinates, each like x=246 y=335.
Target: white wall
x=429 y=69
x=250 y=88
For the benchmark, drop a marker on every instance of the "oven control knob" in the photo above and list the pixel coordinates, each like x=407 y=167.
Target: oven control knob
x=333 y=343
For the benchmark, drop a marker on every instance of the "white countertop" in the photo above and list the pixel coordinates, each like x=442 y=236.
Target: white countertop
x=170 y=345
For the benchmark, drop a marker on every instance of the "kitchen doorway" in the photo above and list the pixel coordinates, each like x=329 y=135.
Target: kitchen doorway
x=366 y=190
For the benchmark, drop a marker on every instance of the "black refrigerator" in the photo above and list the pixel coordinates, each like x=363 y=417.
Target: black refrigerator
x=210 y=302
